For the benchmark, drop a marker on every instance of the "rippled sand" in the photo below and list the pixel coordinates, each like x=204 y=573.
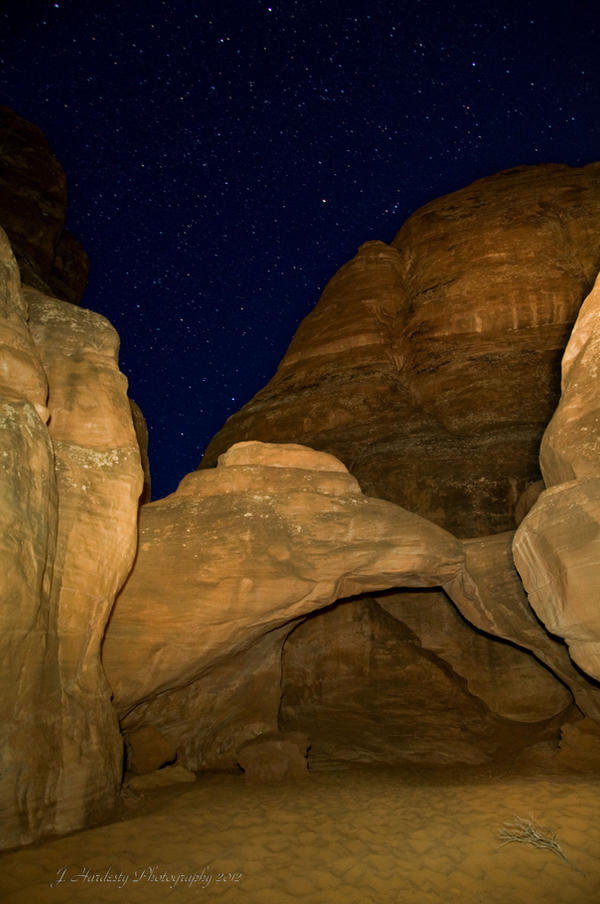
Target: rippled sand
x=362 y=835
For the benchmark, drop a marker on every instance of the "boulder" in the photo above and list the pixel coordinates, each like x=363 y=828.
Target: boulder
x=161 y=778
x=276 y=757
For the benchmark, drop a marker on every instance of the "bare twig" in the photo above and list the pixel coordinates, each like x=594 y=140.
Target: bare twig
x=525 y=831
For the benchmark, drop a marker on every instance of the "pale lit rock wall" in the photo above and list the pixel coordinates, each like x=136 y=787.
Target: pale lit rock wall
x=557 y=552
x=571 y=444
x=557 y=546
x=68 y=533
x=29 y=752
x=99 y=480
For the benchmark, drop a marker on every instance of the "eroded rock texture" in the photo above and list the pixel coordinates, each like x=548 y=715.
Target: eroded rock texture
x=99 y=480
x=69 y=512
x=33 y=203
x=225 y=629
x=557 y=546
x=272 y=534
x=570 y=448
x=430 y=367
x=29 y=683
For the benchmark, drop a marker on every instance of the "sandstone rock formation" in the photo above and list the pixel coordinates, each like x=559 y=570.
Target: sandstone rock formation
x=557 y=546
x=432 y=684
x=273 y=593
x=430 y=367
x=570 y=448
x=33 y=203
x=69 y=513
x=230 y=566
x=270 y=535
x=29 y=678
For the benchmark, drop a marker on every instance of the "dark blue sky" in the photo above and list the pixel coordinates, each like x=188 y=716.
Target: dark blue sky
x=224 y=159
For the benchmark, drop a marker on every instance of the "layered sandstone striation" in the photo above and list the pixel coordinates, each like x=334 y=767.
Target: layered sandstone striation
x=430 y=367
x=71 y=477
x=33 y=204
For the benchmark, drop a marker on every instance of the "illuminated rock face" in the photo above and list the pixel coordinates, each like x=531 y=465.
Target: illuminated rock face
x=70 y=479
x=557 y=546
x=272 y=534
x=430 y=367
x=29 y=680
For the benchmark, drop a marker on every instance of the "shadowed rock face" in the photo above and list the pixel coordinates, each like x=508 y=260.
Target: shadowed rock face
x=33 y=204
x=369 y=689
x=430 y=367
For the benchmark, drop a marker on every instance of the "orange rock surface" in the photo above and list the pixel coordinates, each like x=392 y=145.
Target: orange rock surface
x=69 y=490
x=271 y=535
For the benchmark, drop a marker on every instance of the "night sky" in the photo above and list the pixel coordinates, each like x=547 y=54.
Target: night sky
x=225 y=158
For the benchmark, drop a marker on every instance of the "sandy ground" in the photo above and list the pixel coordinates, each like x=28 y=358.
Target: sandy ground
x=362 y=835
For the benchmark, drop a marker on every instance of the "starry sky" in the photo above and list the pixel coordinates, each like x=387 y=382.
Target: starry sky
x=225 y=158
